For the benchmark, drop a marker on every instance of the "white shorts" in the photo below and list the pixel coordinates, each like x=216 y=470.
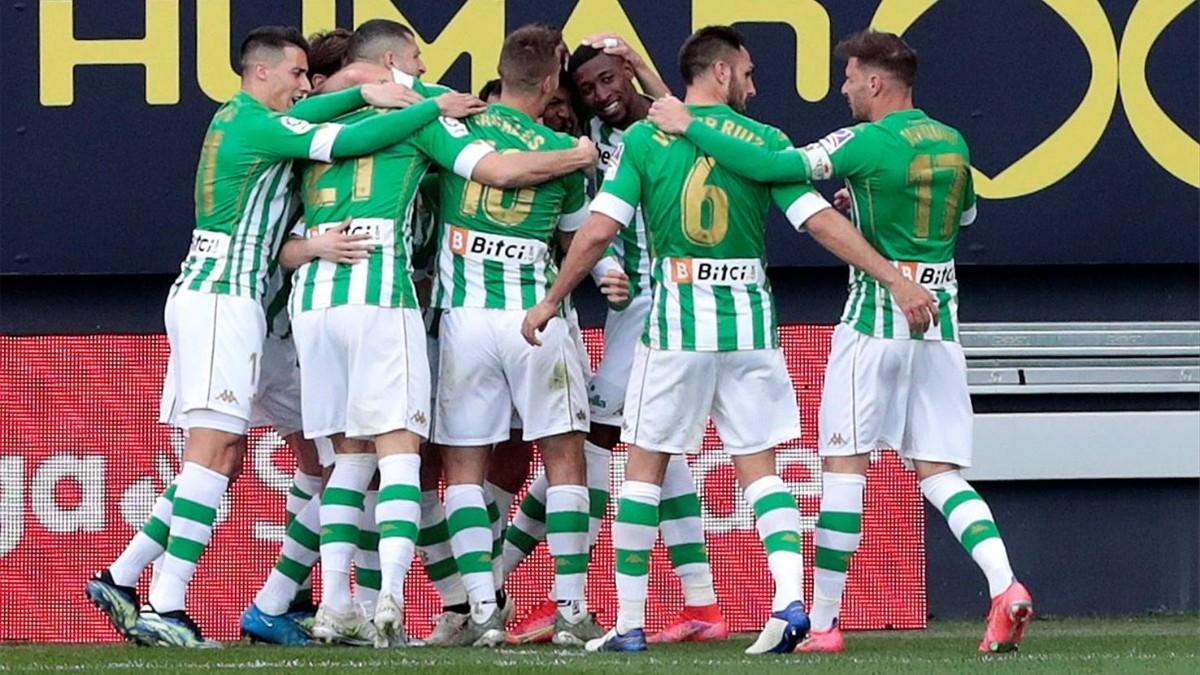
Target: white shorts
x=908 y=395
x=216 y=351
x=277 y=402
x=748 y=394
x=363 y=371
x=622 y=334
x=486 y=370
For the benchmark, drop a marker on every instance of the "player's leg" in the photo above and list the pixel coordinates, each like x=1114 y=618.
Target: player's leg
x=507 y=473
x=938 y=441
x=341 y=514
x=475 y=412
x=754 y=409
x=666 y=410
x=282 y=611
x=433 y=547
x=219 y=340
x=556 y=415
x=683 y=534
x=368 y=578
x=862 y=407
x=279 y=610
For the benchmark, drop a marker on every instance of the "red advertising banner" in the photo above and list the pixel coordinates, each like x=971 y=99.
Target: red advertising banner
x=82 y=459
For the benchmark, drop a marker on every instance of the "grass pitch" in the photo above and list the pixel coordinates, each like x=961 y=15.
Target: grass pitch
x=1138 y=645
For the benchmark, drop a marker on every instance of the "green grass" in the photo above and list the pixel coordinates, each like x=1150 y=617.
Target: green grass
x=1161 y=644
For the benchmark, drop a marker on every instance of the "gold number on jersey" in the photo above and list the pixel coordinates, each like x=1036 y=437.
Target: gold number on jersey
x=208 y=170
x=921 y=172
x=705 y=207
x=491 y=200
x=364 y=174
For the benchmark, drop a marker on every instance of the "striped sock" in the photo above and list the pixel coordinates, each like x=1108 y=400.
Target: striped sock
x=634 y=532
x=839 y=531
x=471 y=541
x=147 y=544
x=567 y=537
x=398 y=513
x=599 y=466
x=433 y=546
x=367 y=576
x=971 y=521
x=683 y=533
x=304 y=487
x=198 y=492
x=497 y=519
x=528 y=526
x=778 y=523
x=300 y=551
x=341 y=512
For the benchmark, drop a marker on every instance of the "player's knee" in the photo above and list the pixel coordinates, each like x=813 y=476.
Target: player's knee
x=851 y=464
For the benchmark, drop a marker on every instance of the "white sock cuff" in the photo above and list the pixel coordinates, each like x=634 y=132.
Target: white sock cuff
x=842 y=492
x=429 y=498
x=308 y=483
x=359 y=461
x=401 y=462
x=638 y=491
x=498 y=494
x=457 y=494
x=193 y=477
x=591 y=450
x=764 y=486
x=940 y=487
x=578 y=493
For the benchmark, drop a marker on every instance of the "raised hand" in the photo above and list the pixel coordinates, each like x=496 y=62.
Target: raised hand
x=670 y=114
x=389 y=95
x=460 y=105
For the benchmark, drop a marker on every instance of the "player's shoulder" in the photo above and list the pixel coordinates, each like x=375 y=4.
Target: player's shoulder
x=638 y=133
x=431 y=89
x=861 y=132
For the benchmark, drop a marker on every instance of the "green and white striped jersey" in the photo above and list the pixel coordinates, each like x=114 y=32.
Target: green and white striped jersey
x=377 y=193
x=706 y=234
x=495 y=243
x=244 y=194
x=909 y=178
x=630 y=245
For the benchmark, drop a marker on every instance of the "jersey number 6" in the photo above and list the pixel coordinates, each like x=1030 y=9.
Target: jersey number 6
x=705 y=207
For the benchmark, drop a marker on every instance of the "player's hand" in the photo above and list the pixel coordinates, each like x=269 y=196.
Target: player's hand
x=611 y=43
x=389 y=95
x=670 y=114
x=614 y=285
x=587 y=153
x=841 y=200
x=335 y=245
x=535 y=322
x=460 y=105
x=919 y=306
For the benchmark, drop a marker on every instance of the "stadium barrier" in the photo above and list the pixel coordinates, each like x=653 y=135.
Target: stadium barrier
x=82 y=459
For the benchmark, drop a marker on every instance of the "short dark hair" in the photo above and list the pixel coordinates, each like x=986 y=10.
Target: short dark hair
x=271 y=37
x=885 y=51
x=329 y=50
x=370 y=32
x=490 y=87
x=581 y=55
x=529 y=55
x=705 y=47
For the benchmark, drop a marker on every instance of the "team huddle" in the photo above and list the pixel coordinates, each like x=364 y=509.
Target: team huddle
x=381 y=269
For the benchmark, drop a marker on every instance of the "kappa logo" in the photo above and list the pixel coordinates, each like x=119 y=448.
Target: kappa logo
x=837 y=441
x=227 y=396
x=634 y=558
x=419 y=417
x=580 y=415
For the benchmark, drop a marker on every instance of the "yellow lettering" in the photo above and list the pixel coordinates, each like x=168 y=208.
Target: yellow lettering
x=1167 y=143
x=214 y=71
x=477 y=29
x=1057 y=156
x=592 y=16
x=808 y=20
x=60 y=52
